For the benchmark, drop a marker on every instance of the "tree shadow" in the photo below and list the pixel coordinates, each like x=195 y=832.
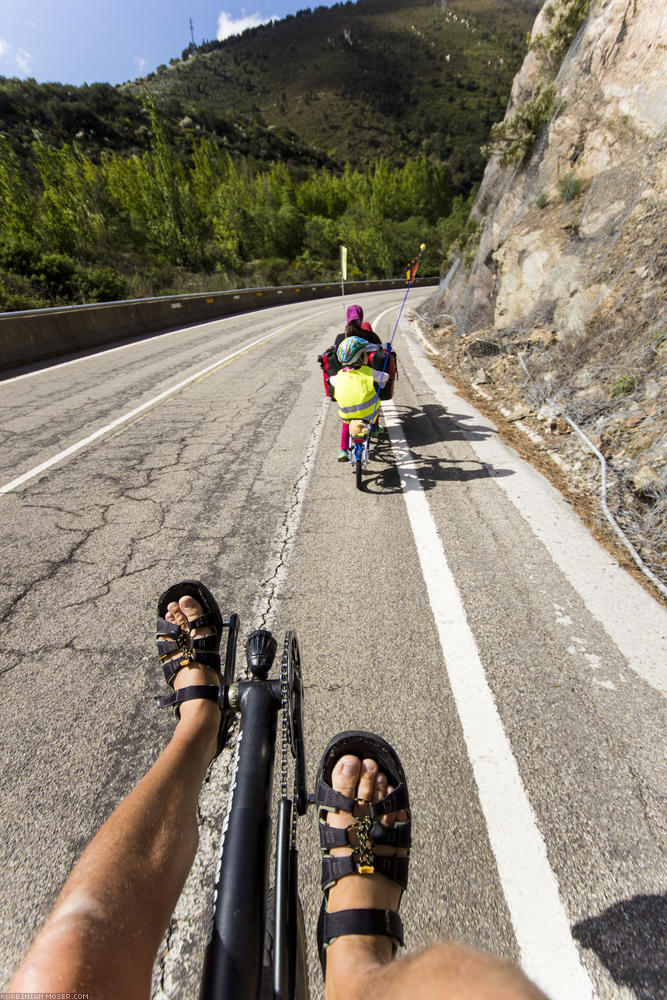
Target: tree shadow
x=630 y=939
x=410 y=468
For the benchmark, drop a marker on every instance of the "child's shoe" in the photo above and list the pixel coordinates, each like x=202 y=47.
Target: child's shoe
x=342 y=456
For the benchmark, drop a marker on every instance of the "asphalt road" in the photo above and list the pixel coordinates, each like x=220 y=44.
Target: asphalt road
x=456 y=606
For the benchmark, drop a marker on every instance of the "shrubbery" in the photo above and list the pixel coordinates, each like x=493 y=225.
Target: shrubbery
x=513 y=139
x=80 y=231
x=569 y=186
x=565 y=19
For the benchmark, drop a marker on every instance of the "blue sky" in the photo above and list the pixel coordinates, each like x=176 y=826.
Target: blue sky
x=87 y=41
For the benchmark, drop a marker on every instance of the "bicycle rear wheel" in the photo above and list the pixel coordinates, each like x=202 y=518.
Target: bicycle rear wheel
x=358 y=472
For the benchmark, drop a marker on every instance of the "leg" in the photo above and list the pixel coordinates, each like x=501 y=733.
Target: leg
x=358 y=966
x=344 y=441
x=107 y=924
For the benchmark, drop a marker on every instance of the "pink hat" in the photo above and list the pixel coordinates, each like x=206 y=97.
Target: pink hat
x=355 y=314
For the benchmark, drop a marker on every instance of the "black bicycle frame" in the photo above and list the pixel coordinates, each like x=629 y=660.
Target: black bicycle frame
x=236 y=963
x=233 y=962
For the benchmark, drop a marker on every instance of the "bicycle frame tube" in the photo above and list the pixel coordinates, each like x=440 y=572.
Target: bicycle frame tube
x=284 y=946
x=360 y=449
x=233 y=962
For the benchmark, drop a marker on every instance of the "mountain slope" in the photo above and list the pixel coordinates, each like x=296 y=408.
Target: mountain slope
x=391 y=78
x=569 y=265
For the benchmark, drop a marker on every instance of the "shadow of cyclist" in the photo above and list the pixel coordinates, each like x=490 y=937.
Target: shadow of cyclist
x=404 y=468
x=432 y=423
x=629 y=939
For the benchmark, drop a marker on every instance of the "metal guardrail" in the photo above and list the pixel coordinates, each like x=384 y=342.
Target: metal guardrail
x=37 y=334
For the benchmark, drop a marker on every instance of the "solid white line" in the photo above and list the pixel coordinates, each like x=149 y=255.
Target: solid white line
x=135 y=343
x=101 y=354
x=625 y=610
x=8 y=487
x=548 y=953
x=427 y=343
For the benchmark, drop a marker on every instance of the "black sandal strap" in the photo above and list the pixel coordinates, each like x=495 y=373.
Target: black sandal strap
x=209 y=691
x=166 y=647
x=334 y=836
x=385 y=922
x=394 y=867
x=398 y=835
x=329 y=797
x=207 y=658
x=205 y=620
x=395 y=801
x=164 y=627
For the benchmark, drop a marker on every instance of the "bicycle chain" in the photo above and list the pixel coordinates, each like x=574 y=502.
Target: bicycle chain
x=286 y=739
x=284 y=696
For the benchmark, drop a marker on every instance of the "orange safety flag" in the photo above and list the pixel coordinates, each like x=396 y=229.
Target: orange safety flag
x=411 y=272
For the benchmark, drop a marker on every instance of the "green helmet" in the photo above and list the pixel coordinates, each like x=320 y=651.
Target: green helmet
x=351 y=348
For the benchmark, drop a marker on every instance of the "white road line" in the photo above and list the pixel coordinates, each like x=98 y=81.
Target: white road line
x=55 y=459
x=548 y=953
x=135 y=343
x=634 y=621
x=93 y=356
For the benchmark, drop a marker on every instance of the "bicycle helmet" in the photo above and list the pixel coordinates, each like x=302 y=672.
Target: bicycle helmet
x=350 y=349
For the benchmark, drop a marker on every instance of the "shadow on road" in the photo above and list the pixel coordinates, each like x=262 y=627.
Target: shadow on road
x=423 y=427
x=433 y=422
x=629 y=939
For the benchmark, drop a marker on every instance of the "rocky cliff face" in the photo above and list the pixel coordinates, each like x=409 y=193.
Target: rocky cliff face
x=572 y=257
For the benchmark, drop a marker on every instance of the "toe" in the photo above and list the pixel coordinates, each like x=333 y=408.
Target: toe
x=190 y=609
x=379 y=787
x=345 y=775
x=174 y=614
x=344 y=778
x=367 y=775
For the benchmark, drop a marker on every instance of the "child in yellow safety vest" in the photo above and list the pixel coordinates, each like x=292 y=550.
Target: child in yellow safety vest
x=356 y=389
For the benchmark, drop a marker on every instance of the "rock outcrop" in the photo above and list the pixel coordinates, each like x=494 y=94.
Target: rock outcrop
x=572 y=257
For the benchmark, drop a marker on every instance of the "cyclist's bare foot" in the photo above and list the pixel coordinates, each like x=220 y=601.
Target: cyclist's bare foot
x=198 y=714
x=359 y=967
x=362 y=779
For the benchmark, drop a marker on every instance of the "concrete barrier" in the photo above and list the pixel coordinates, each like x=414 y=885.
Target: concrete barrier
x=37 y=334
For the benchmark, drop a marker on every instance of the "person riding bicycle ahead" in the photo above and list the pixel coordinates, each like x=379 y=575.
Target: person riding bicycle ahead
x=356 y=328
x=355 y=389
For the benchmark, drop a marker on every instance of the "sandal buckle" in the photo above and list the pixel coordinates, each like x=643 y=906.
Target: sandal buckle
x=183 y=641
x=363 y=828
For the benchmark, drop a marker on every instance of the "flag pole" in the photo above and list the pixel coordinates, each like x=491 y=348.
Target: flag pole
x=343 y=273
x=411 y=275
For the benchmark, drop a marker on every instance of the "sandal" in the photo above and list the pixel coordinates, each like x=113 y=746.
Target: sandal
x=172 y=638
x=369 y=832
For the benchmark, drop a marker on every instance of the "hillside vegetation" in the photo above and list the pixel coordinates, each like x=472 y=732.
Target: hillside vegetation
x=360 y=81
x=249 y=161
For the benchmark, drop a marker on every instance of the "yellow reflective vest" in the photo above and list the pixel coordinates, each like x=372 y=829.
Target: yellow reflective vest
x=355 y=392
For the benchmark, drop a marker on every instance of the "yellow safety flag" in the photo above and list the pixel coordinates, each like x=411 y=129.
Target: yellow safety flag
x=343 y=262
